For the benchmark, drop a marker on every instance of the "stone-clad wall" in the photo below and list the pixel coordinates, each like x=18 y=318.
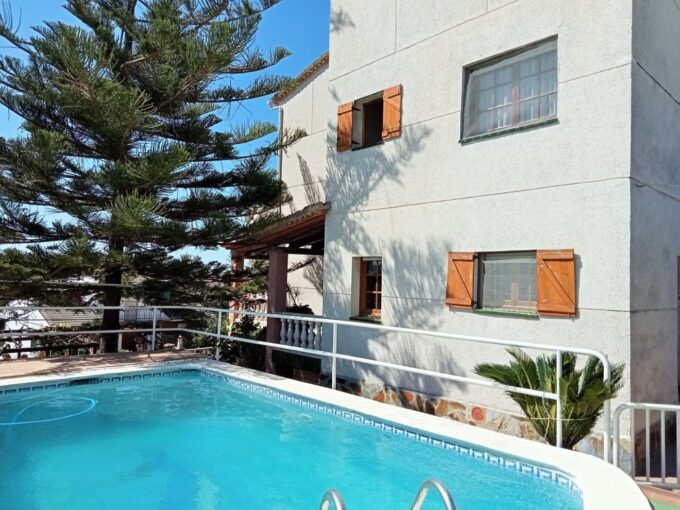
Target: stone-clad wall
x=476 y=415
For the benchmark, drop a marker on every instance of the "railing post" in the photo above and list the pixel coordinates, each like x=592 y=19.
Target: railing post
x=677 y=445
x=558 y=385
x=663 y=446
x=615 y=438
x=153 y=330
x=648 y=460
x=607 y=416
x=334 y=360
x=219 y=333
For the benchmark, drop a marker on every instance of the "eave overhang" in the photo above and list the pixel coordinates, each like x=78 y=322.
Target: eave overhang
x=301 y=232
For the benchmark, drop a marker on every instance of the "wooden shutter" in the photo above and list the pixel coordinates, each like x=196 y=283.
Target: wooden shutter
x=344 y=127
x=391 y=112
x=460 y=280
x=556 y=282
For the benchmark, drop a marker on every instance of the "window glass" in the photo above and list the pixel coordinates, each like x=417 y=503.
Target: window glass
x=518 y=89
x=371 y=287
x=508 y=281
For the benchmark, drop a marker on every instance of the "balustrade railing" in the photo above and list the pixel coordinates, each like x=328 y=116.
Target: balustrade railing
x=301 y=333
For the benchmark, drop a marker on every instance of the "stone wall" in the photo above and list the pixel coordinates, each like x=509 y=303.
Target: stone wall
x=476 y=415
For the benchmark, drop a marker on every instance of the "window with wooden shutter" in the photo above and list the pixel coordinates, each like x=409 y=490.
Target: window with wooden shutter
x=391 y=125
x=556 y=282
x=370 y=120
x=460 y=280
x=344 y=142
x=370 y=287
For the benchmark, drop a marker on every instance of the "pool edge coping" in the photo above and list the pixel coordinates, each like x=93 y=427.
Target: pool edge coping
x=601 y=484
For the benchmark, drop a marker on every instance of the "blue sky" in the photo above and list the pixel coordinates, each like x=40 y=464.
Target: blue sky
x=299 y=25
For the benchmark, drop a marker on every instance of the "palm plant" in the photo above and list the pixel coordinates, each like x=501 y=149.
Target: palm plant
x=583 y=391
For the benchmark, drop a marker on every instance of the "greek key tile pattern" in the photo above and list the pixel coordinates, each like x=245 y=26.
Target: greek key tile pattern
x=504 y=462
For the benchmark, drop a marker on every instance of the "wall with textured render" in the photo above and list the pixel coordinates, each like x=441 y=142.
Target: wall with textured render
x=655 y=190
x=413 y=199
x=303 y=169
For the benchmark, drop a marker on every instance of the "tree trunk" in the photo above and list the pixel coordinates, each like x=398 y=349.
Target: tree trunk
x=112 y=296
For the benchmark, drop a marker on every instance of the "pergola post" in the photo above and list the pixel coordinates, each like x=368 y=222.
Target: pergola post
x=236 y=267
x=277 y=293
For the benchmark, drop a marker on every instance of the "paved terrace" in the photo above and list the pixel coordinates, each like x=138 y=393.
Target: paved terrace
x=66 y=365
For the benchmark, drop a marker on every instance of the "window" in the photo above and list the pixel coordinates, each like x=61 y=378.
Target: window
x=541 y=281
x=507 y=281
x=369 y=121
x=371 y=125
x=370 y=287
x=517 y=90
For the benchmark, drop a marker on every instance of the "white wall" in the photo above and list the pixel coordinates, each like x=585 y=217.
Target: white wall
x=415 y=198
x=304 y=169
x=655 y=189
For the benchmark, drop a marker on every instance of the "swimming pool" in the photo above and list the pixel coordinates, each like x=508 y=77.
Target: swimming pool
x=201 y=439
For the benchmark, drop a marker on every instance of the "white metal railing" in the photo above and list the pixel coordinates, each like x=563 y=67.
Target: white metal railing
x=655 y=456
x=330 y=326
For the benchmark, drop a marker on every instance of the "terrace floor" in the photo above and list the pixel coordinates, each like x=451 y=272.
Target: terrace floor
x=65 y=365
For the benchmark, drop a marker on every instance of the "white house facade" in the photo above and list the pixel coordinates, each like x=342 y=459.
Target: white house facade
x=489 y=177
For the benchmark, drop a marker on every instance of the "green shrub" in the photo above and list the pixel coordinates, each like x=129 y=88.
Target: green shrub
x=583 y=392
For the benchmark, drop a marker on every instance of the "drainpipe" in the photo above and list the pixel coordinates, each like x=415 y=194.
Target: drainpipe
x=280 y=155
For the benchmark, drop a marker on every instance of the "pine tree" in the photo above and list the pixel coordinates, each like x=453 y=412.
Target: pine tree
x=120 y=135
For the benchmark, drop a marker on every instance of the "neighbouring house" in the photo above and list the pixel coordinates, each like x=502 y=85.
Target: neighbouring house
x=44 y=319
x=33 y=320
x=495 y=168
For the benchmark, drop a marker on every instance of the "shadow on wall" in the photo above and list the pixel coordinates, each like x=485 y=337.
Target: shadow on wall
x=413 y=297
x=353 y=180
x=311 y=186
x=313 y=273
x=340 y=19
x=414 y=273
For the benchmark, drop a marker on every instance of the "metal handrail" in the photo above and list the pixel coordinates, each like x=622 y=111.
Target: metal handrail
x=664 y=479
x=334 y=356
x=433 y=483
x=332 y=497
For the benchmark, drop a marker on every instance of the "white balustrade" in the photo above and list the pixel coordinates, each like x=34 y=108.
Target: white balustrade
x=296 y=334
x=301 y=333
x=283 y=336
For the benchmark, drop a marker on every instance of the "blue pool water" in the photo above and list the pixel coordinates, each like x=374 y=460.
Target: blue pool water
x=188 y=441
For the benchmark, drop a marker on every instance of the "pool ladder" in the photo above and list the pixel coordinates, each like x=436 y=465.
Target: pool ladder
x=333 y=497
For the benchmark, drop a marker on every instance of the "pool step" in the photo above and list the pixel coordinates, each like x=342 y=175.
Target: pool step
x=333 y=497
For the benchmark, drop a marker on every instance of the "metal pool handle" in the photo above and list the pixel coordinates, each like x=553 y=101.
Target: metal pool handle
x=433 y=483
x=334 y=497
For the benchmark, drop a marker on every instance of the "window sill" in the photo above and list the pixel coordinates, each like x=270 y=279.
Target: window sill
x=362 y=147
x=507 y=131
x=366 y=318
x=506 y=313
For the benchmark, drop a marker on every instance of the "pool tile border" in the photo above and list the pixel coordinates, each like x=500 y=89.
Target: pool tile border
x=526 y=468
x=508 y=463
